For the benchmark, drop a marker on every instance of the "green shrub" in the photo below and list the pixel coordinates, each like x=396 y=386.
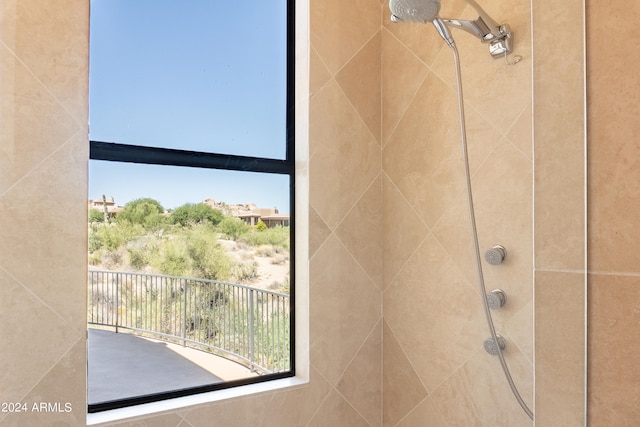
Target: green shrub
x=145 y=212
x=277 y=236
x=195 y=213
x=138 y=258
x=95 y=216
x=95 y=258
x=192 y=252
x=244 y=272
x=233 y=228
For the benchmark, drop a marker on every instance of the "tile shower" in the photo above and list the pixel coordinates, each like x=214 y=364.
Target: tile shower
x=391 y=226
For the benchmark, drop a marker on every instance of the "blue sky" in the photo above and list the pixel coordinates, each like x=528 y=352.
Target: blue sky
x=200 y=75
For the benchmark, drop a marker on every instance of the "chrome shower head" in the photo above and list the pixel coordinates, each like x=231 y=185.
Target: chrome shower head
x=485 y=28
x=414 y=10
x=420 y=11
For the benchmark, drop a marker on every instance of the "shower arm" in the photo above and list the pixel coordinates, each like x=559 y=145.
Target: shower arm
x=487 y=30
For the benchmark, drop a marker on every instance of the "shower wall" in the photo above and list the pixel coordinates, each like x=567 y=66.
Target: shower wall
x=43 y=208
x=43 y=199
x=614 y=206
x=436 y=371
x=387 y=223
x=559 y=212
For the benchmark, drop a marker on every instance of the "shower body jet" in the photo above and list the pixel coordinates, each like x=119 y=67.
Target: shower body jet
x=498 y=36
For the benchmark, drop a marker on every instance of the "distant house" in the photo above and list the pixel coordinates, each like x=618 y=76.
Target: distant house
x=275 y=219
x=250 y=213
x=111 y=207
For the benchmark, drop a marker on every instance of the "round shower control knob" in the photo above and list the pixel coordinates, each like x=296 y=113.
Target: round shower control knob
x=490 y=345
x=496 y=298
x=495 y=255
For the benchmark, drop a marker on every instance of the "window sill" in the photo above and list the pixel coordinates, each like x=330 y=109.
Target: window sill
x=196 y=399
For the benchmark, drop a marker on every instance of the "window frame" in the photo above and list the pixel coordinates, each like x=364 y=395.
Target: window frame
x=136 y=154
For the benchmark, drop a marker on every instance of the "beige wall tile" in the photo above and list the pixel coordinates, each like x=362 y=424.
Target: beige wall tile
x=35 y=338
x=360 y=80
x=318 y=231
x=520 y=329
x=65 y=386
x=43 y=92
x=246 y=411
x=613 y=395
x=318 y=73
x=345 y=307
x=361 y=232
x=434 y=314
x=559 y=156
x=614 y=196
x=614 y=331
x=339 y=29
x=502 y=203
x=521 y=134
x=346 y=156
x=296 y=407
x=47 y=235
x=560 y=346
x=422 y=158
x=361 y=383
x=403 y=230
x=559 y=136
x=478 y=394
x=26 y=141
x=402 y=74
x=53 y=45
x=335 y=411
x=402 y=388
x=425 y=414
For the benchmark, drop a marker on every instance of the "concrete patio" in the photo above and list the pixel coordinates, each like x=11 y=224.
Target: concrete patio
x=123 y=365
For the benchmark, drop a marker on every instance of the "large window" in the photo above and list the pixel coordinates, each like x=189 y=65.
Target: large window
x=191 y=201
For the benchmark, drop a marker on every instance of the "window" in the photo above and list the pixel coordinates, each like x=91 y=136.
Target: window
x=191 y=201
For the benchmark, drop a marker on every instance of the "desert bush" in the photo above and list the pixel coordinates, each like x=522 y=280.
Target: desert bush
x=95 y=258
x=95 y=216
x=138 y=258
x=111 y=237
x=195 y=213
x=145 y=212
x=233 y=228
x=209 y=259
x=192 y=252
x=244 y=272
x=276 y=236
x=112 y=260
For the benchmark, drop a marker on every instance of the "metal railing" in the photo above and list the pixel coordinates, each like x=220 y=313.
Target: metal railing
x=241 y=323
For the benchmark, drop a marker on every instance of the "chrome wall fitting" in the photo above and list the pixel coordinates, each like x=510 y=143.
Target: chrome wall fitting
x=496 y=299
x=490 y=345
x=495 y=255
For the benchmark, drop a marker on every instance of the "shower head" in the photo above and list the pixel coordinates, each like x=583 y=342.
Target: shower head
x=420 y=11
x=485 y=28
x=414 y=10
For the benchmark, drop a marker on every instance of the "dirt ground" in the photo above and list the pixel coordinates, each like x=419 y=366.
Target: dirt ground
x=272 y=267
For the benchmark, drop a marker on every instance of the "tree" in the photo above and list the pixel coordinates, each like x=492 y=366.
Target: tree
x=146 y=212
x=195 y=213
x=233 y=227
x=95 y=216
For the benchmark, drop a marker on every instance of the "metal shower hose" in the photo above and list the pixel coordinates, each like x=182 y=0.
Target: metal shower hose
x=483 y=291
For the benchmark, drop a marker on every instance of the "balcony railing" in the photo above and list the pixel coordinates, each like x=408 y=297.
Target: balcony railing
x=248 y=325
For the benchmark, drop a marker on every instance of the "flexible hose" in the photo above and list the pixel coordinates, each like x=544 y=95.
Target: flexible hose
x=483 y=290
